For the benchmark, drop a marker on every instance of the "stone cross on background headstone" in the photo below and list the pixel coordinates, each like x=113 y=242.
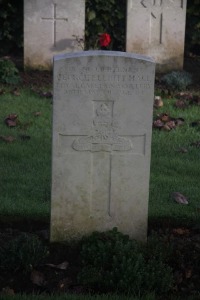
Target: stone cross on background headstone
x=51 y=27
x=102 y=122
x=54 y=19
x=155 y=11
x=157 y=28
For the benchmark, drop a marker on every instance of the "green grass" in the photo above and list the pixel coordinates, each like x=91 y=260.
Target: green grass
x=172 y=171
x=25 y=165
x=25 y=173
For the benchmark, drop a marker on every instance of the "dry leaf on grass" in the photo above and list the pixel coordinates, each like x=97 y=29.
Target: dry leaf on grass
x=179 y=198
x=166 y=122
x=11 y=120
x=8 y=139
x=182 y=150
x=16 y=92
x=181 y=104
x=46 y=94
x=158 y=124
x=179 y=121
x=158 y=102
x=62 y=266
x=64 y=284
x=169 y=125
x=37 y=113
x=181 y=231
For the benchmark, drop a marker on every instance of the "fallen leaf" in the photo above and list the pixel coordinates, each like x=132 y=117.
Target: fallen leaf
x=38 y=278
x=10 y=123
x=158 y=102
x=12 y=116
x=16 y=92
x=8 y=139
x=179 y=198
x=37 y=113
x=158 y=124
x=11 y=120
x=184 y=96
x=166 y=128
x=62 y=266
x=181 y=104
x=164 y=117
x=179 y=121
x=64 y=284
x=46 y=94
x=182 y=150
x=171 y=124
x=181 y=231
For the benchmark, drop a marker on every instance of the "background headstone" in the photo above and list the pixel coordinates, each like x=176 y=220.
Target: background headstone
x=49 y=29
x=102 y=122
x=157 y=28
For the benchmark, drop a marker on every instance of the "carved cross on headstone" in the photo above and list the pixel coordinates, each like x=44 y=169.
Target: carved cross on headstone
x=156 y=8
x=54 y=19
x=104 y=142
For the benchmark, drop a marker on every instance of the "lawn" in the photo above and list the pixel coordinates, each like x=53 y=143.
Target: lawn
x=25 y=177
x=26 y=162
x=175 y=167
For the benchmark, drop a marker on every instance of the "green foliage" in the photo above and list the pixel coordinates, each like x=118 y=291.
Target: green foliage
x=111 y=262
x=8 y=72
x=105 y=16
x=177 y=80
x=22 y=253
x=11 y=25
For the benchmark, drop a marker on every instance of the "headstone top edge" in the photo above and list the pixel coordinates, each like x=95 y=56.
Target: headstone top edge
x=103 y=53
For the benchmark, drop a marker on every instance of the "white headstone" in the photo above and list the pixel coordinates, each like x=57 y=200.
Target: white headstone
x=102 y=122
x=50 y=27
x=157 y=28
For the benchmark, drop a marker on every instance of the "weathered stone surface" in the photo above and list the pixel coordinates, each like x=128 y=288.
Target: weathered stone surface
x=157 y=28
x=102 y=122
x=49 y=29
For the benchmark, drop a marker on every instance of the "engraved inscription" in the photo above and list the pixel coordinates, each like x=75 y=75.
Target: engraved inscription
x=105 y=136
x=54 y=19
x=107 y=80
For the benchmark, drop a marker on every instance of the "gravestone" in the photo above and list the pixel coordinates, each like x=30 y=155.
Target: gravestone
x=157 y=28
x=102 y=123
x=51 y=27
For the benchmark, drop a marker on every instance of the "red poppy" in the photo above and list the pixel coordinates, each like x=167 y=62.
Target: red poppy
x=104 y=39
